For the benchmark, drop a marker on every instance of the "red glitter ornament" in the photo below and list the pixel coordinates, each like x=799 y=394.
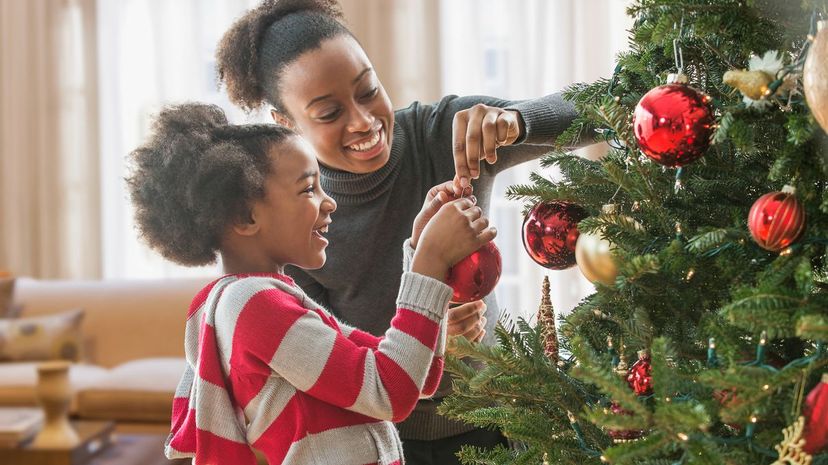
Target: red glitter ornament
x=640 y=377
x=550 y=232
x=673 y=124
x=475 y=276
x=623 y=435
x=776 y=219
x=816 y=418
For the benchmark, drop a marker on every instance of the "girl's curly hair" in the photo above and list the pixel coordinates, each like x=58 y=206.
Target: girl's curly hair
x=196 y=175
x=253 y=53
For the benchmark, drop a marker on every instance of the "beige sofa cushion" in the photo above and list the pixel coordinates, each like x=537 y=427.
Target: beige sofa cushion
x=141 y=390
x=19 y=379
x=47 y=337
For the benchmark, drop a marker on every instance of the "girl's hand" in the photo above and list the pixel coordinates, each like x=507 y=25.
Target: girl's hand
x=456 y=230
x=467 y=320
x=436 y=197
x=476 y=134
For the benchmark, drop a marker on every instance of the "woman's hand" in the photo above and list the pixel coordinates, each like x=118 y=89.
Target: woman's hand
x=476 y=134
x=436 y=197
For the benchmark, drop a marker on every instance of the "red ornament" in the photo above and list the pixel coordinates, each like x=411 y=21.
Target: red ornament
x=816 y=418
x=673 y=124
x=776 y=219
x=623 y=434
x=728 y=399
x=550 y=232
x=474 y=277
x=640 y=376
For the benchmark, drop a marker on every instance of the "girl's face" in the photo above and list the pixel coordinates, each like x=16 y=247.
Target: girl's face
x=295 y=212
x=335 y=100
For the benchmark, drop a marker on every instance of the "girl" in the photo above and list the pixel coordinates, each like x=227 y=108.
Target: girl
x=267 y=367
x=296 y=57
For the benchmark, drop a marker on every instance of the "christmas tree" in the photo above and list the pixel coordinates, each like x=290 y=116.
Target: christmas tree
x=705 y=230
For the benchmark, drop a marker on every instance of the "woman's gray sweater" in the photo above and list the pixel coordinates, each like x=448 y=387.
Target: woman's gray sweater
x=375 y=212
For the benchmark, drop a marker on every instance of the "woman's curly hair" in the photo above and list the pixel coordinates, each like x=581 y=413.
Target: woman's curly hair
x=196 y=175
x=255 y=50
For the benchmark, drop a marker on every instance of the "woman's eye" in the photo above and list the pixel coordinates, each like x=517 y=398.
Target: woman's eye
x=308 y=190
x=371 y=93
x=329 y=116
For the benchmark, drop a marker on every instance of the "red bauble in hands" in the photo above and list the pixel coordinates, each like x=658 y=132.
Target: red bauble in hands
x=776 y=220
x=475 y=276
x=816 y=418
x=673 y=124
x=550 y=232
x=640 y=376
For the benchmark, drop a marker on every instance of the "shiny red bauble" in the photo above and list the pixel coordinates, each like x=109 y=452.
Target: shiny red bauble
x=816 y=418
x=475 y=276
x=550 y=233
x=640 y=376
x=673 y=124
x=776 y=220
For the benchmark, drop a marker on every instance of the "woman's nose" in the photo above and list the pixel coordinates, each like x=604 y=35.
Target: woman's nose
x=361 y=120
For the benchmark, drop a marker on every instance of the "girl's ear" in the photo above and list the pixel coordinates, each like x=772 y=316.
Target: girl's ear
x=246 y=225
x=281 y=119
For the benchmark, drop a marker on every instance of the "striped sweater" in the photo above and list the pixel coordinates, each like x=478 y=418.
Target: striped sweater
x=269 y=368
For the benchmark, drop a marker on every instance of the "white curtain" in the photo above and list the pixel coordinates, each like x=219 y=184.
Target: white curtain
x=152 y=53
x=49 y=190
x=522 y=49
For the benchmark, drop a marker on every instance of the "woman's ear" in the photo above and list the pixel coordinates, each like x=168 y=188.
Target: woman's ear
x=282 y=119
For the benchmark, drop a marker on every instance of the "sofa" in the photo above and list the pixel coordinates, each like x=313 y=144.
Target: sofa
x=131 y=338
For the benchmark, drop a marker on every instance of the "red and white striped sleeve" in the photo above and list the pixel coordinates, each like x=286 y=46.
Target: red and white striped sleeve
x=315 y=357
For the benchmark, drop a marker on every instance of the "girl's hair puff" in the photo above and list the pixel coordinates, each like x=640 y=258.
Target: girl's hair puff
x=196 y=175
x=253 y=53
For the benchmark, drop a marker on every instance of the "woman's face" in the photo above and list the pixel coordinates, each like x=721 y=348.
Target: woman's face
x=335 y=101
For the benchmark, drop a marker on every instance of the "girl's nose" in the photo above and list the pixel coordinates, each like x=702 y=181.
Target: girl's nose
x=329 y=204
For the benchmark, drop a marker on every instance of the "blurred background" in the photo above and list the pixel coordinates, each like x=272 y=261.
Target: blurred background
x=80 y=79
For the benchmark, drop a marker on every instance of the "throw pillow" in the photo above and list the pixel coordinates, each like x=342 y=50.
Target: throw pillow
x=47 y=337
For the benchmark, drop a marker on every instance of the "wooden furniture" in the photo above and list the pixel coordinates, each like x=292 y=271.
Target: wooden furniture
x=93 y=437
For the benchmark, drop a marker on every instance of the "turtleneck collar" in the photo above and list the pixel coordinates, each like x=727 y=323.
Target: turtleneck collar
x=353 y=188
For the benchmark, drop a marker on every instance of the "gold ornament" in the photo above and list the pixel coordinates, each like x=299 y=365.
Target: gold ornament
x=593 y=254
x=815 y=76
x=752 y=84
x=546 y=318
x=790 y=449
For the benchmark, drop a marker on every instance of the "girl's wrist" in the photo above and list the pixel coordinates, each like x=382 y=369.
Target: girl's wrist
x=428 y=264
